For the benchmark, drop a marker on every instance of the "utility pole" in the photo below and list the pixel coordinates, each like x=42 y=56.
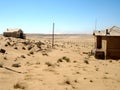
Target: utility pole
x=53 y=35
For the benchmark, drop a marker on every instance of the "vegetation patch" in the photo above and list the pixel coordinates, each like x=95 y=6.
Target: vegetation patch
x=19 y=85
x=86 y=61
x=23 y=56
x=31 y=52
x=1 y=65
x=67 y=82
x=48 y=64
x=59 y=60
x=23 y=48
x=16 y=65
x=66 y=59
x=15 y=48
x=2 y=50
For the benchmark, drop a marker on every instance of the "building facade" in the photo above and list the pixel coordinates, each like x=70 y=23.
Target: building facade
x=107 y=43
x=17 y=33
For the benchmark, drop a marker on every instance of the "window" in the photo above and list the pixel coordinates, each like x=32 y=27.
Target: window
x=99 y=42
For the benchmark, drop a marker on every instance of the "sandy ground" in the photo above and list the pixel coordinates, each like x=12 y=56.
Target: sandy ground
x=32 y=64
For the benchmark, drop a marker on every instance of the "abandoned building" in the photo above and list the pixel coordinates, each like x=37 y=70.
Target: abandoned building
x=17 y=33
x=107 y=43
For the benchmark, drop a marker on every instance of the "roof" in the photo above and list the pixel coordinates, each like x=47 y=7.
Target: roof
x=113 y=31
x=13 y=30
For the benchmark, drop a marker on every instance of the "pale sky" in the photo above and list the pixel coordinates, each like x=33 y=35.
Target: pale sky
x=70 y=16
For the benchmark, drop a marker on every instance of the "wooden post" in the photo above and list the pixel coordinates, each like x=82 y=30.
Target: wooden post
x=53 y=35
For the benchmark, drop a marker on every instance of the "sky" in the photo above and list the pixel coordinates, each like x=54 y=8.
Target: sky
x=69 y=16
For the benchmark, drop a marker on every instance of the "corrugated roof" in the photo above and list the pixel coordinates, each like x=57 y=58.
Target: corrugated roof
x=113 y=31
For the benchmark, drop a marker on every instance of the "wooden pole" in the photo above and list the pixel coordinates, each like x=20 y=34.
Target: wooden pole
x=53 y=35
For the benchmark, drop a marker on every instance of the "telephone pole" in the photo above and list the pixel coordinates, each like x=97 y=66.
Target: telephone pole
x=53 y=35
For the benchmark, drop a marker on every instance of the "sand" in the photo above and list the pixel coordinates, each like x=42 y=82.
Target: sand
x=32 y=64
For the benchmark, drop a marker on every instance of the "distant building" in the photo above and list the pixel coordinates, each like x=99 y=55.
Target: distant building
x=107 y=43
x=17 y=33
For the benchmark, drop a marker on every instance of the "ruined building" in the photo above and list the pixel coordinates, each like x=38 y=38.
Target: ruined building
x=17 y=33
x=107 y=43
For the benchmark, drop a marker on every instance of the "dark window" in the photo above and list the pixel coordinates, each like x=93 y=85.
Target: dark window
x=99 y=42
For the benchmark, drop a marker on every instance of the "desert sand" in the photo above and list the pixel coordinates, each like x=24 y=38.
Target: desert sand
x=32 y=64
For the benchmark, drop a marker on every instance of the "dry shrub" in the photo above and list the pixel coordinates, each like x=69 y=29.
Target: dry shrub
x=67 y=82
x=86 y=61
x=110 y=61
x=23 y=48
x=97 y=69
x=19 y=85
x=6 y=45
x=105 y=77
x=106 y=73
x=63 y=58
x=75 y=81
x=39 y=44
x=1 y=65
x=23 y=56
x=28 y=54
x=77 y=72
x=16 y=65
x=2 y=50
x=26 y=43
x=59 y=60
x=48 y=64
x=5 y=58
x=31 y=52
x=15 y=48
x=74 y=61
x=91 y=81
x=30 y=47
x=37 y=63
x=85 y=52
x=66 y=59
x=44 y=53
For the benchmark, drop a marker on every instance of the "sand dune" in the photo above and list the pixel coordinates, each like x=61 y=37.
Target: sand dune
x=32 y=64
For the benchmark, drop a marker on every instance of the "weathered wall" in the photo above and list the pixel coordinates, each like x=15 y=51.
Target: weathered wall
x=12 y=34
x=113 y=47
x=104 y=42
x=113 y=42
x=110 y=46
